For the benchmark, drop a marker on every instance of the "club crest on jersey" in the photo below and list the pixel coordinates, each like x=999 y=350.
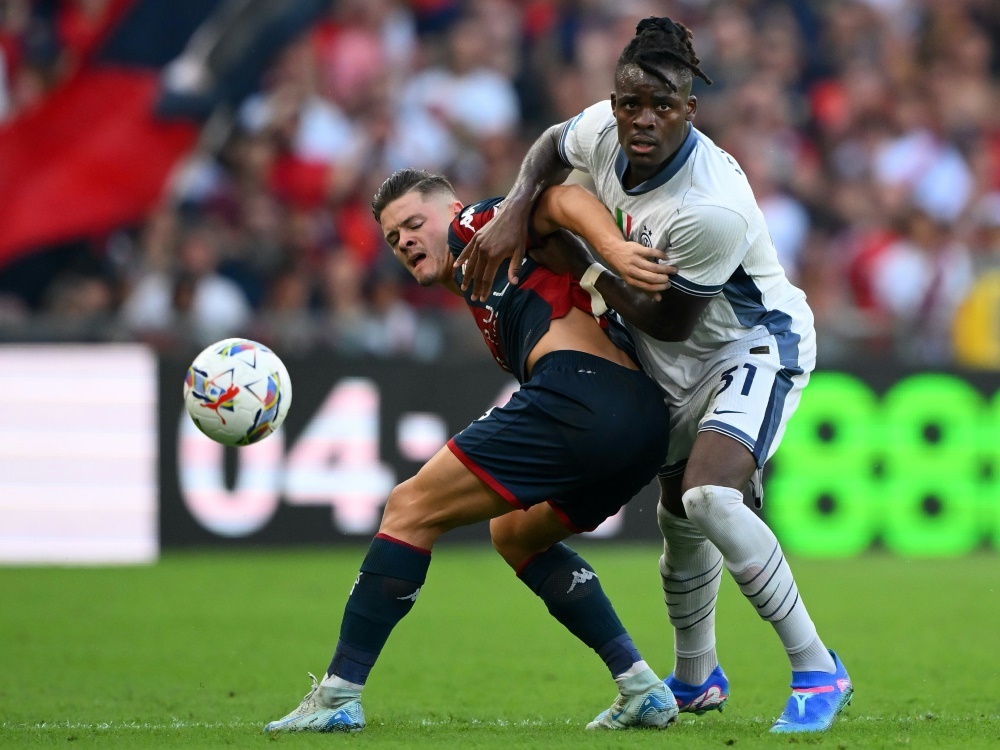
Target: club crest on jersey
x=645 y=237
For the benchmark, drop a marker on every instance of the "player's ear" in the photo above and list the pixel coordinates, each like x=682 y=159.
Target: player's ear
x=692 y=108
x=614 y=100
x=455 y=207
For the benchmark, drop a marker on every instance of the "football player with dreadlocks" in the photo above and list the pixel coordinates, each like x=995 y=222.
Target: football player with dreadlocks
x=728 y=337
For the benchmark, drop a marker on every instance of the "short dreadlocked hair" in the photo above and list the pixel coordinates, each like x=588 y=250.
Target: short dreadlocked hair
x=661 y=43
x=403 y=181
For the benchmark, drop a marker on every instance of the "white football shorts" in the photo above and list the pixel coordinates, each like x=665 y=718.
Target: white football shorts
x=747 y=394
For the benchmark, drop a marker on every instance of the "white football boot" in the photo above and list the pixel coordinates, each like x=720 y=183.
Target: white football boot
x=323 y=709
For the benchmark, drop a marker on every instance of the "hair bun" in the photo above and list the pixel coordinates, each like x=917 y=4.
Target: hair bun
x=658 y=22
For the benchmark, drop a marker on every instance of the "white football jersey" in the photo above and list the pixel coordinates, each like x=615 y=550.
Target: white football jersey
x=701 y=210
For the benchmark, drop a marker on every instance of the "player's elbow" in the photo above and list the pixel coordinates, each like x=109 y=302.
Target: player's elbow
x=669 y=330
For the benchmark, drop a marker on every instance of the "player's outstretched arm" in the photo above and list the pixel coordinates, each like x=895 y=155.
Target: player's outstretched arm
x=576 y=209
x=672 y=317
x=506 y=236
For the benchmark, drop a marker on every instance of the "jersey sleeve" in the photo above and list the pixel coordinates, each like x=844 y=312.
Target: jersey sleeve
x=707 y=244
x=578 y=137
x=470 y=220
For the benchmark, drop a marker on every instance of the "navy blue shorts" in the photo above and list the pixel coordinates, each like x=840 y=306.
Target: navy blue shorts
x=583 y=434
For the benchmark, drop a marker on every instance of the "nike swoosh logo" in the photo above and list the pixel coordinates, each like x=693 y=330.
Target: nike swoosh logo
x=727 y=411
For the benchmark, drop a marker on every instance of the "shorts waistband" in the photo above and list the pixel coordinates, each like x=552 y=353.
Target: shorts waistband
x=574 y=358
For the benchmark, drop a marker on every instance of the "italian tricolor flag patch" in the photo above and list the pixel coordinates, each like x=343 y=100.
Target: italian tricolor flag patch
x=624 y=222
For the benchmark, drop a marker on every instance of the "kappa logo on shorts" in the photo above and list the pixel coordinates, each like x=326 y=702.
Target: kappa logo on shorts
x=582 y=576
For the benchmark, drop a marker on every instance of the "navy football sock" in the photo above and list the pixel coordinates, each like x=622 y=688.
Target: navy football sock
x=384 y=592
x=573 y=595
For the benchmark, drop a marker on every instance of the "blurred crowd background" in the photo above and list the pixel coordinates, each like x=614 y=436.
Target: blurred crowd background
x=869 y=130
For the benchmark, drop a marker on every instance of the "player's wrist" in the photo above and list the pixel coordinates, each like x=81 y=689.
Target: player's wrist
x=590 y=276
x=613 y=251
x=588 y=282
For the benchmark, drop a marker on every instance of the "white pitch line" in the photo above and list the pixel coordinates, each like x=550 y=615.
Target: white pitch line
x=526 y=723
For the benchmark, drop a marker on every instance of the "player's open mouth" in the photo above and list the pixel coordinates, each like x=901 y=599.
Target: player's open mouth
x=416 y=258
x=642 y=146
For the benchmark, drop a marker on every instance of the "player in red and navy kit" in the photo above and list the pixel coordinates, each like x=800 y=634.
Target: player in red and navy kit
x=579 y=438
x=513 y=320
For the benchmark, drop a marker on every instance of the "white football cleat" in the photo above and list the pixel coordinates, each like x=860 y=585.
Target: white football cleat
x=655 y=708
x=323 y=709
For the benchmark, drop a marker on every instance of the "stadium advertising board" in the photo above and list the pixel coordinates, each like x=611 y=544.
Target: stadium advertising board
x=78 y=455
x=353 y=432
x=908 y=460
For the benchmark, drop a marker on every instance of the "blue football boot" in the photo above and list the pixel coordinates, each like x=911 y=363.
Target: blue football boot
x=711 y=695
x=817 y=698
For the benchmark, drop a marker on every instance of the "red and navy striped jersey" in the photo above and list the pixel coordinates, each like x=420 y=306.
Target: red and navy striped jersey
x=514 y=318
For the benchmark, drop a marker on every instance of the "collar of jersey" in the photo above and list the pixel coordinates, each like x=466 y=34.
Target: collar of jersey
x=672 y=167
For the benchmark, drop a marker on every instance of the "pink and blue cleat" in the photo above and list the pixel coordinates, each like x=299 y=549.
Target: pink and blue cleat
x=817 y=698
x=711 y=695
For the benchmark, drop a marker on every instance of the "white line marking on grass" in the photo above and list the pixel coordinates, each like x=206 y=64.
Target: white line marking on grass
x=523 y=723
x=144 y=725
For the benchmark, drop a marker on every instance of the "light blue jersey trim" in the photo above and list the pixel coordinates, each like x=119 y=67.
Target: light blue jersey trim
x=748 y=306
x=671 y=168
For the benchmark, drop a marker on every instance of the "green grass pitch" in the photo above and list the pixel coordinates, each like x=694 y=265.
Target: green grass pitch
x=202 y=649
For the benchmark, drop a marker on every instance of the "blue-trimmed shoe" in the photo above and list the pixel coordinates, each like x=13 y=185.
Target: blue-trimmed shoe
x=653 y=709
x=711 y=695
x=321 y=710
x=817 y=698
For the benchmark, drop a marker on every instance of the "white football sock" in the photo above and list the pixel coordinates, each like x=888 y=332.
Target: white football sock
x=637 y=679
x=754 y=557
x=690 y=570
x=339 y=683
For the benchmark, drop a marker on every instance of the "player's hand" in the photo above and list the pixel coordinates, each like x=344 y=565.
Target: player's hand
x=643 y=267
x=505 y=236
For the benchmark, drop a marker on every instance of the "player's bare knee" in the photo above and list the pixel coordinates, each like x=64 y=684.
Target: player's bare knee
x=395 y=514
x=506 y=541
x=407 y=509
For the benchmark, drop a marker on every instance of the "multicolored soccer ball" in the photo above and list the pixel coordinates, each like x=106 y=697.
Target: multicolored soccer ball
x=237 y=391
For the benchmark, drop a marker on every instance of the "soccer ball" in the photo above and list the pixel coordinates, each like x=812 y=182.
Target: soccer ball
x=237 y=391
